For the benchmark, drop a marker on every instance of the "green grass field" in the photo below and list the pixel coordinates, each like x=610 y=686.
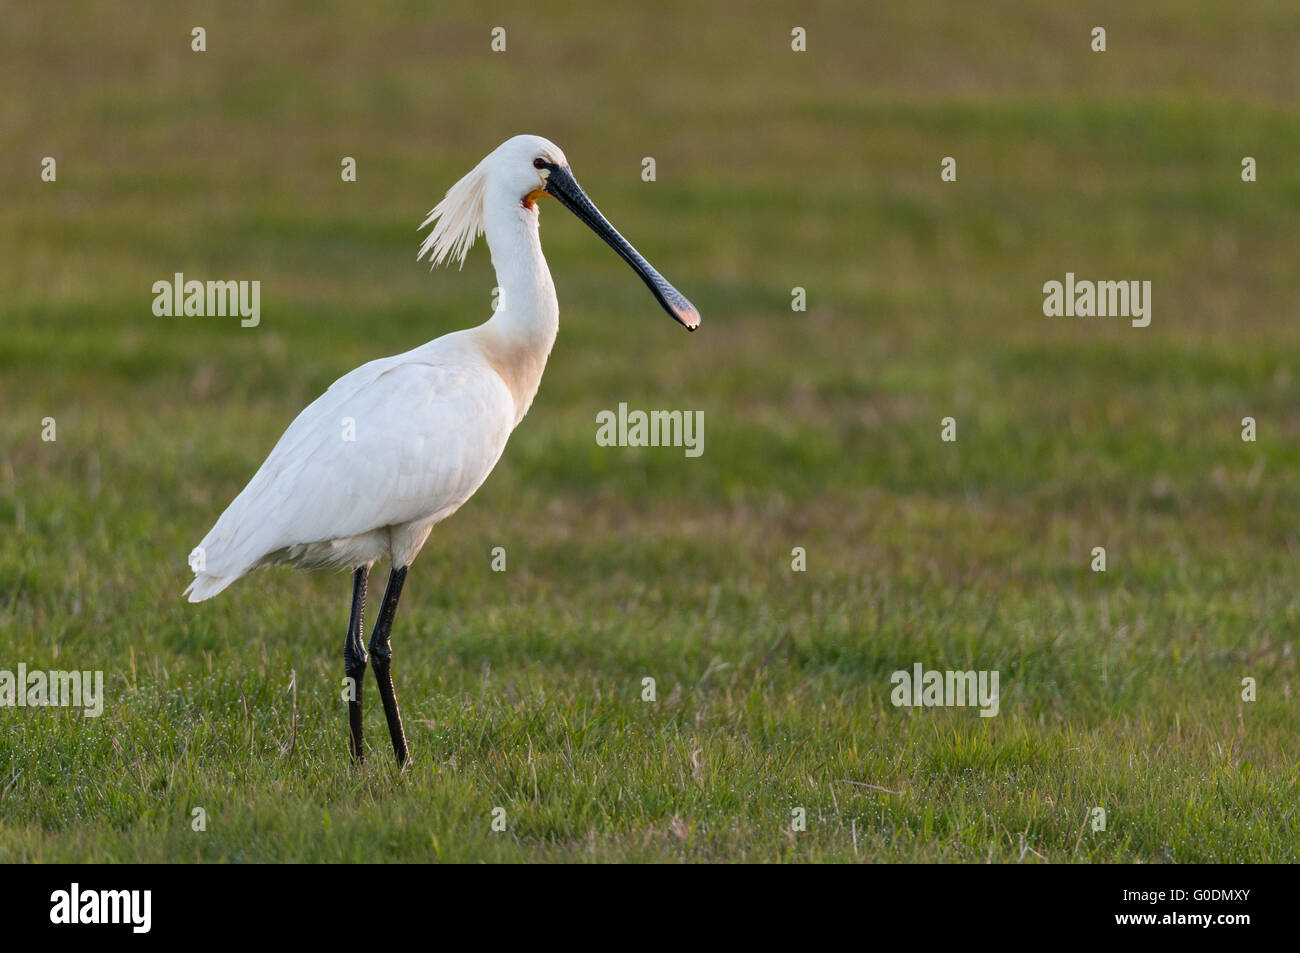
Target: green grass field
x=522 y=690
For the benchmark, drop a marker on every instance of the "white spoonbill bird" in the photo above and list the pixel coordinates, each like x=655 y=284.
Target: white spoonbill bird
x=401 y=443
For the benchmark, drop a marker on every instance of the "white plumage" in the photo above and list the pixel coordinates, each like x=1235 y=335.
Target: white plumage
x=399 y=444
x=395 y=446
x=322 y=500
x=428 y=426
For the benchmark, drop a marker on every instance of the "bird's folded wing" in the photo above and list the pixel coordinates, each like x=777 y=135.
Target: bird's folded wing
x=392 y=442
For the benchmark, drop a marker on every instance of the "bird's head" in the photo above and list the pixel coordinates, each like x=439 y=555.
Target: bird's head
x=533 y=168
x=522 y=166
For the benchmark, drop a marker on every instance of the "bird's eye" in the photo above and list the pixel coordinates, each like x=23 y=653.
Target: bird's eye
x=539 y=163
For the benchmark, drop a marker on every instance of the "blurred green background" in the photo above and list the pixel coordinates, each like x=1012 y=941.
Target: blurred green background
x=775 y=169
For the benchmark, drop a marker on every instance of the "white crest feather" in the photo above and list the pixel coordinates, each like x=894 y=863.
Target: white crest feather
x=457 y=220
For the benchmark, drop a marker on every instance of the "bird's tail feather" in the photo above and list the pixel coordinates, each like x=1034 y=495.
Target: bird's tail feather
x=206 y=585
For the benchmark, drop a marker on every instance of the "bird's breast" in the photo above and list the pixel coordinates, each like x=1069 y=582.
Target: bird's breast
x=520 y=366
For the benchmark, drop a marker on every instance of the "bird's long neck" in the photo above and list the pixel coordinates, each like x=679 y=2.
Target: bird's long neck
x=518 y=337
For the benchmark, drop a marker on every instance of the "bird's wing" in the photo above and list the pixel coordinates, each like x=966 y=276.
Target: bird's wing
x=394 y=441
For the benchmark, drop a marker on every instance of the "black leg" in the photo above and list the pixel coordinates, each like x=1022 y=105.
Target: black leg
x=381 y=659
x=354 y=660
